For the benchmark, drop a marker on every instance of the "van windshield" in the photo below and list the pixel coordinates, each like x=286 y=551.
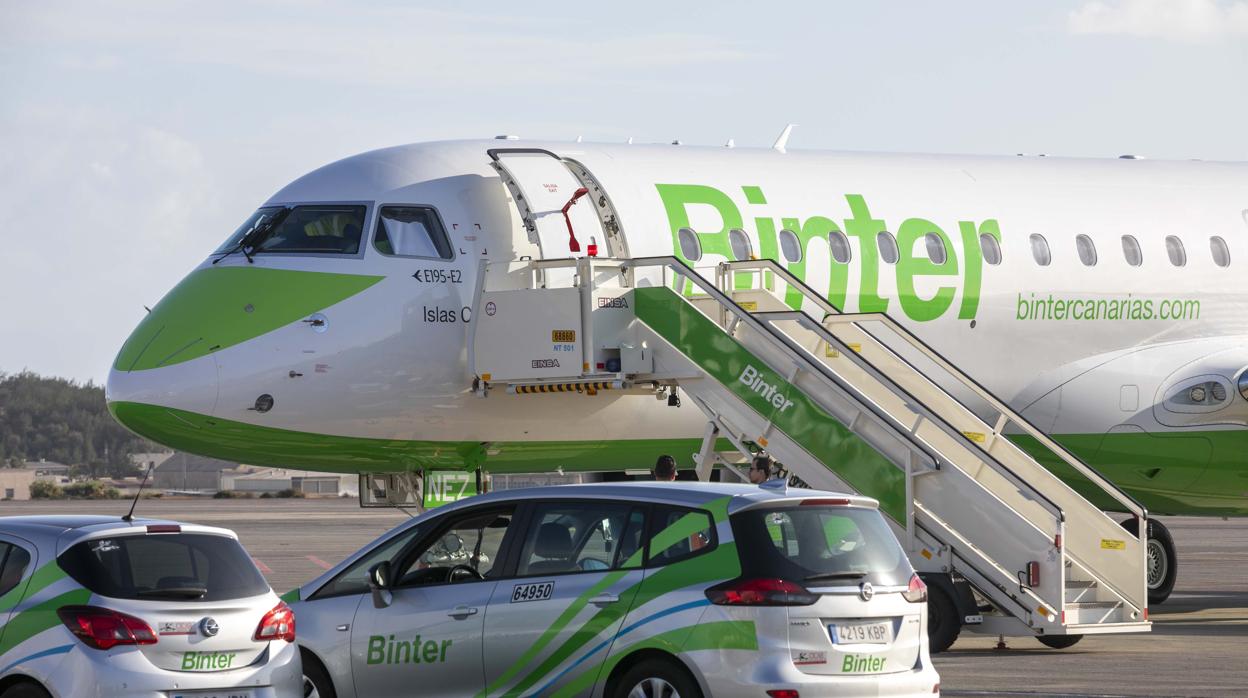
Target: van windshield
x=168 y=567
x=820 y=546
x=310 y=229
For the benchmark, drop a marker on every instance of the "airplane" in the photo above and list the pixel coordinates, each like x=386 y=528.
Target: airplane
x=1099 y=298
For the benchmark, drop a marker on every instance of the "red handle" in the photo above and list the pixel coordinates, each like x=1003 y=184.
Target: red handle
x=573 y=245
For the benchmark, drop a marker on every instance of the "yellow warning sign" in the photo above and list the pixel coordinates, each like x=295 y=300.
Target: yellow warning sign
x=749 y=305
x=975 y=436
x=926 y=553
x=831 y=353
x=1111 y=544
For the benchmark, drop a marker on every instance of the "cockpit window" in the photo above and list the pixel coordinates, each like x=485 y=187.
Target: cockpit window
x=310 y=229
x=411 y=231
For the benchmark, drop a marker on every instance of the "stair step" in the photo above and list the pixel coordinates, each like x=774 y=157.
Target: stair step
x=1080 y=584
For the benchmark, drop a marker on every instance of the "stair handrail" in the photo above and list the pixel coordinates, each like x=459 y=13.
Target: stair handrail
x=1132 y=505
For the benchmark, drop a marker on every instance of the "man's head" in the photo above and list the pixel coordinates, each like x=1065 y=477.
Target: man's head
x=760 y=468
x=665 y=468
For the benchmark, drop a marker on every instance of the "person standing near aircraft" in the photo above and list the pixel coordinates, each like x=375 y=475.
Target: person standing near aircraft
x=761 y=468
x=665 y=469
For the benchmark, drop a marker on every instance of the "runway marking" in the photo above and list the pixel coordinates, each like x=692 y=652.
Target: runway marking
x=319 y=562
x=263 y=567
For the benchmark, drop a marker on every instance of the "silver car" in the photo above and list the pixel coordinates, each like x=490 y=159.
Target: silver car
x=655 y=590
x=98 y=606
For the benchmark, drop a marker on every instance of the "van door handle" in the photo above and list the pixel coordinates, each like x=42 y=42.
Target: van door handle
x=343 y=628
x=604 y=599
x=462 y=612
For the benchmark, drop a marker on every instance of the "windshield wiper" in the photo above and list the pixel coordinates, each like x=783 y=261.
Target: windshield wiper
x=836 y=575
x=255 y=236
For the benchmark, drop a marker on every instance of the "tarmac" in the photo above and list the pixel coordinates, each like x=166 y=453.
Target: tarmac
x=1198 y=645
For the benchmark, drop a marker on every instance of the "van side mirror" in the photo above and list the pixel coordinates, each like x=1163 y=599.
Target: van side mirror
x=379 y=584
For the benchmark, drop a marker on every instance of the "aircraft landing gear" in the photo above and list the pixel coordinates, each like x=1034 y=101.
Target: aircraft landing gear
x=1162 y=563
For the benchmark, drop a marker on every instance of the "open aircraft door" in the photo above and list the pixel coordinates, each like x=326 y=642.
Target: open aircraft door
x=565 y=210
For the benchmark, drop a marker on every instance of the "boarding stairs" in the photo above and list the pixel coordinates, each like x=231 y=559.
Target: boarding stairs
x=851 y=402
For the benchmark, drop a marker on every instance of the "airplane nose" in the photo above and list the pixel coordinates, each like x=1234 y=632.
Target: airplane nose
x=149 y=402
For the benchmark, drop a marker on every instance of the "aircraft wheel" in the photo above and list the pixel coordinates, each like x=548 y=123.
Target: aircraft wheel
x=1059 y=642
x=1162 y=565
x=943 y=621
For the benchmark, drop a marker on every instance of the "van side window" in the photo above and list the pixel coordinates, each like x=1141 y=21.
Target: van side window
x=13 y=563
x=354 y=579
x=411 y=231
x=567 y=537
x=465 y=549
x=1087 y=250
x=677 y=533
x=1040 y=250
x=1131 y=250
x=1221 y=253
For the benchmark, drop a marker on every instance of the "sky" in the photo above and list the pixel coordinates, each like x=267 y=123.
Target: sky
x=135 y=136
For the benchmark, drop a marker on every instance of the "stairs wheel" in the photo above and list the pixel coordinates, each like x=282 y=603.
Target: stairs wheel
x=1162 y=564
x=943 y=620
x=1059 y=642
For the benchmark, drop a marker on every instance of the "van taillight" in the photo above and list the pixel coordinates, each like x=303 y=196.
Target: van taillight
x=916 y=592
x=760 y=592
x=277 y=624
x=102 y=629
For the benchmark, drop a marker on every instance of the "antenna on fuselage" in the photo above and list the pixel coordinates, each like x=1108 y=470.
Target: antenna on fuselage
x=783 y=140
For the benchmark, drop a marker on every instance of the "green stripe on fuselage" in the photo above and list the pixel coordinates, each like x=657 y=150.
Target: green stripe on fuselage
x=218 y=307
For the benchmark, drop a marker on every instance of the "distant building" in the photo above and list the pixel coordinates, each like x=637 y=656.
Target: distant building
x=15 y=483
x=48 y=470
x=188 y=473
x=143 y=461
x=271 y=480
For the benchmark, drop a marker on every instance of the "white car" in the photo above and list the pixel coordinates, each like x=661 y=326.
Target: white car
x=654 y=590
x=99 y=606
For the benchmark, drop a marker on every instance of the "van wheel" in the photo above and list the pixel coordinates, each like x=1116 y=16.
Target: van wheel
x=657 y=678
x=25 y=690
x=1059 y=642
x=1161 y=563
x=316 y=681
x=943 y=621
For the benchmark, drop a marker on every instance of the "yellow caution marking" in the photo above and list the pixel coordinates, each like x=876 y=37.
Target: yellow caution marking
x=586 y=388
x=562 y=336
x=485 y=377
x=829 y=352
x=975 y=436
x=1111 y=544
x=749 y=305
x=855 y=347
x=1044 y=611
x=926 y=553
x=762 y=441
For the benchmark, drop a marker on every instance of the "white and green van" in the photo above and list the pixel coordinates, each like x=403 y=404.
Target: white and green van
x=652 y=590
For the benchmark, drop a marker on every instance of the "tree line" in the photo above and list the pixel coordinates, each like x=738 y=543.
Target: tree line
x=64 y=421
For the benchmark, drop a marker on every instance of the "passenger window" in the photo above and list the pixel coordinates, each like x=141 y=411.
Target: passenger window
x=991 y=248
x=1175 y=250
x=740 y=244
x=1087 y=250
x=411 y=231
x=354 y=579
x=790 y=246
x=1040 y=250
x=568 y=537
x=314 y=229
x=935 y=248
x=690 y=244
x=465 y=551
x=1131 y=250
x=677 y=533
x=839 y=245
x=887 y=244
x=1221 y=253
x=13 y=563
